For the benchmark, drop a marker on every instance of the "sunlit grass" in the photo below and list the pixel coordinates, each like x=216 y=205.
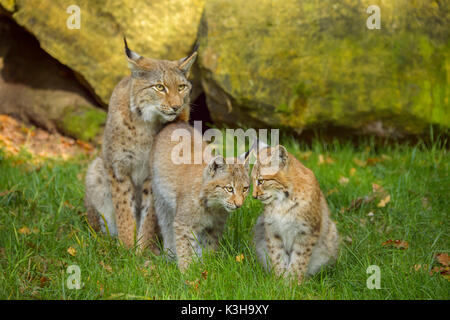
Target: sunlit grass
x=41 y=217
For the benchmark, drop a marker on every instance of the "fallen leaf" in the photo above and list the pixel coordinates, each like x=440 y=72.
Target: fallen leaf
x=305 y=155
x=194 y=283
x=205 y=274
x=72 y=251
x=398 y=244
x=43 y=281
x=372 y=161
x=331 y=191
x=358 y=202
x=86 y=146
x=107 y=267
x=239 y=258
x=321 y=159
x=6 y=192
x=443 y=258
x=377 y=189
x=384 y=201
x=24 y=230
x=359 y=162
x=343 y=180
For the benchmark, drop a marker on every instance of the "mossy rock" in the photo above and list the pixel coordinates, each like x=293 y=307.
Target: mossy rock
x=308 y=64
x=157 y=28
x=82 y=122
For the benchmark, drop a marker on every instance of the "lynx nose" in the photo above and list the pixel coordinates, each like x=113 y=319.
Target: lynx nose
x=175 y=108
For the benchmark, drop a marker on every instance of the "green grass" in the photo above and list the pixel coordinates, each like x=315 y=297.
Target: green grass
x=47 y=199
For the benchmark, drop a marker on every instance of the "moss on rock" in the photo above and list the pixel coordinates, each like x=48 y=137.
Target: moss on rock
x=82 y=122
x=158 y=28
x=306 y=64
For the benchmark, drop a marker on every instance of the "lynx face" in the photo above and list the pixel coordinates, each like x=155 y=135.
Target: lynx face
x=270 y=185
x=159 y=87
x=226 y=184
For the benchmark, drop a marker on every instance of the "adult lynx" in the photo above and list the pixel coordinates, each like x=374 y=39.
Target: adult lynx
x=118 y=189
x=294 y=235
x=192 y=201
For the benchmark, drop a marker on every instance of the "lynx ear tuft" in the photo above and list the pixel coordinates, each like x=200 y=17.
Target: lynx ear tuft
x=280 y=156
x=216 y=165
x=186 y=63
x=132 y=56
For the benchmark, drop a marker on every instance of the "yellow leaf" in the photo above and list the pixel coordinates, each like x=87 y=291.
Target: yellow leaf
x=321 y=159
x=359 y=162
x=343 y=180
x=24 y=230
x=72 y=251
x=240 y=258
x=107 y=267
x=384 y=201
x=331 y=191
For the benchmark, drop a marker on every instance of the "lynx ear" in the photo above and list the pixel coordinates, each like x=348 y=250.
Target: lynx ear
x=185 y=64
x=245 y=158
x=279 y=156
x=132 y=57
x=216 y=165
x=258 y=145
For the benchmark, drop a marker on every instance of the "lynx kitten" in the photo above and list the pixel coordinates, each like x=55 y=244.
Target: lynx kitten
x=118 y=190
x=192 y=201
x=294 y=235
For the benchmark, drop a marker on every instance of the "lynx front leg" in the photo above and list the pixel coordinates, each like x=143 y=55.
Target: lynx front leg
x=277 y=253
x=122 y=193
x=300 y=256
x=148 y=229
x=214 y=233
x=185 y=242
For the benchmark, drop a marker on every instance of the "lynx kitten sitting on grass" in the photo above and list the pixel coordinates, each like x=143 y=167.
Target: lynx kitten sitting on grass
x=192 y=201
x=294 y=235
x=118 y=190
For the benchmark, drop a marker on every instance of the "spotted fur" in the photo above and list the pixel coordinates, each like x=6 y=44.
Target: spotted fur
x=294 y=235
x=118 y=188
x=192 y=201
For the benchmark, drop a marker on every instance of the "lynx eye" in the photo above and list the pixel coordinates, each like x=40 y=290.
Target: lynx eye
x=159 y=87
x=182 y=87
x=229 y=189
x=260 y=181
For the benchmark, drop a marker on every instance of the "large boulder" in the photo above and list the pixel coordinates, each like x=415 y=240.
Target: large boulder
x=310 y=63
x=39 y=90
x=157 y=28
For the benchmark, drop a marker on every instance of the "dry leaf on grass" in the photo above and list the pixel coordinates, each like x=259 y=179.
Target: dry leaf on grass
x=359 y=162
x=398 y=244
x=384 y=201
x=323 y=160
x=343 y=180
x=205 y=274
x=331 y=191
x=107 y=267
x=443 y=258
x=72 y=251
x=24 y=230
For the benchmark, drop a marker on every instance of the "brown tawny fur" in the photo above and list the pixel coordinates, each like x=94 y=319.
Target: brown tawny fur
x=192 y=201
x=118 y=189
x=294 y=235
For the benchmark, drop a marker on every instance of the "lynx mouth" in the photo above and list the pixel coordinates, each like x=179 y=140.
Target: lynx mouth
x=265 y=199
